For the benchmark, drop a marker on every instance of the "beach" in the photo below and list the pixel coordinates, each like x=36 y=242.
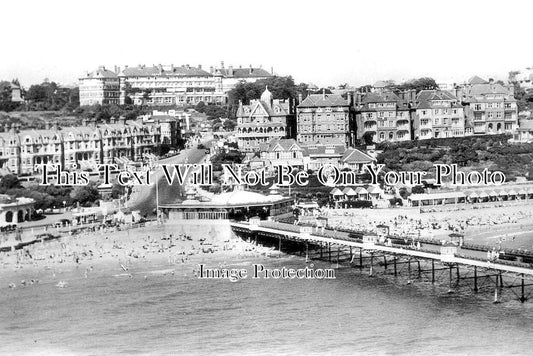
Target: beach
x=120 y=252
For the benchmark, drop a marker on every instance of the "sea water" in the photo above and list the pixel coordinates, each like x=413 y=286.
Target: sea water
x=167 y=310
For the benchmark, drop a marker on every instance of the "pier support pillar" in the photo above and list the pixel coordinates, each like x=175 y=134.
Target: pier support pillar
x=523 y=297
x=361 y=258
x=351 y=254
x=371 y=263
x=451 y=276
x=329 y=251
x=419 y=273
x=321 y=253
x=475 y=279
x=458 y=275
x=433 y=271
x=385 y=262
x=395 y=269
x=338 y=253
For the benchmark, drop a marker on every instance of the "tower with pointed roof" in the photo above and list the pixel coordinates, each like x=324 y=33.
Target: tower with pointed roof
x=263 y=120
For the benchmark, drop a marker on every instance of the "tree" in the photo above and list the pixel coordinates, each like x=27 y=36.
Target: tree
x=229 y=125
x=368 y=138
x=424 y=83
x=9 y=181
x=86 y=194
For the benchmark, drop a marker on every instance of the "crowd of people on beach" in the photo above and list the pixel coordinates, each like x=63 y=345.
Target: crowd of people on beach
x=431 y=226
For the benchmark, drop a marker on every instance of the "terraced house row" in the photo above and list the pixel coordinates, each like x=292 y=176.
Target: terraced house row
x=84 y=146
x=476 y=108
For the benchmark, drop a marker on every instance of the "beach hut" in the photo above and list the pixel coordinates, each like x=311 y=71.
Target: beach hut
x=349 y=193
x=375 y=191
x=493 y=195
x=522 y=194
x=473 y=197
x=512 y=194
x=483 y=196
x=336 y=194
x=362 y=193
x=502 y=194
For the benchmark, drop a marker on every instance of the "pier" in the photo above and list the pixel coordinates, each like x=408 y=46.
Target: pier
x=469 y=268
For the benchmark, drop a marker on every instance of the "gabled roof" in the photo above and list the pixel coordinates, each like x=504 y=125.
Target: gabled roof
x=386 y=97
x=425 y=97
x=483 y=89
x=318 y=100
x=278 y=108
x=353 y=155
x=285 y=143
x=100 y=73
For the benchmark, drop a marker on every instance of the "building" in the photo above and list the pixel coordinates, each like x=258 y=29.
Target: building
x=82 y=147
x=263 y=120
x=383 y=116
x=281 y=152
x=438 y=114
x=232 y=76
x=236 y=205
x=100 y=87
x=15 y=210
x=324 y=118
x=170 y=85
x=491 y=107
x=355 y=160
x=523 y=134
x=16 y=93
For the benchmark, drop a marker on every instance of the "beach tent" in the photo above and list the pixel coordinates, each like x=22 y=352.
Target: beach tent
x=483 y=196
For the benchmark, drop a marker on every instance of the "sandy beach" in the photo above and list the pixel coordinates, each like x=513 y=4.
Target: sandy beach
x=120 y=252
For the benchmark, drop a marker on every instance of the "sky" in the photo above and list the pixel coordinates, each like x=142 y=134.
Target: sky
x=321 y=42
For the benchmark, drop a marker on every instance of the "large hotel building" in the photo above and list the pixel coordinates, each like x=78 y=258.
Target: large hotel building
x=164 y=84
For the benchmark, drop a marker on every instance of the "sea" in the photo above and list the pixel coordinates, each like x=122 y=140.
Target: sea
x=164 y=310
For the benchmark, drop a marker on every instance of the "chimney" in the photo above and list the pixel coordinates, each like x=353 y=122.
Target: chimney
x=272 y=70
x=126 y=66
x=324 y=93
x=350 y=98
x=251 y=69
x=199 y=66
x=160 y=68
x=299 y=98
x=211 y=70
x=230 y=71
x=222 y=64
x=122 y=120
x=101 y=67
x=83 y=123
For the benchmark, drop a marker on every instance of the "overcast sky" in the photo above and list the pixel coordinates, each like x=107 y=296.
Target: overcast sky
x=323 y=42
